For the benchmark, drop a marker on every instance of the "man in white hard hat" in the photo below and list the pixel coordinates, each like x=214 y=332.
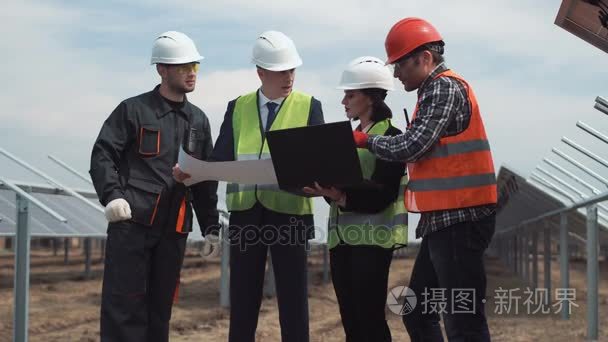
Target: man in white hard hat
x=263 y=217
x=149 y=213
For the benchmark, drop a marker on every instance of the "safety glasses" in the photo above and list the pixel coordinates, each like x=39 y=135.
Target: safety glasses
x=396 y=65
x=186 y=68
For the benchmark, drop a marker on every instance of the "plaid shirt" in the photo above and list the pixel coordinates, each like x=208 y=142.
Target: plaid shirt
x=443 y=110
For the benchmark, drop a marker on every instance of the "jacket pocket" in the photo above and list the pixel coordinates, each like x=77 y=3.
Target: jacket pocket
x=149 y=141
x=144 y=198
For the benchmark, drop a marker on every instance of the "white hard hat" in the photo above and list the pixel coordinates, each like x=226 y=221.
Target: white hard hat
x=366 y=72
x=174 y=47
x=275 y=51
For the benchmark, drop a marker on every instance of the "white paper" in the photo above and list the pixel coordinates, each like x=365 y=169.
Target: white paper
x=242 y=172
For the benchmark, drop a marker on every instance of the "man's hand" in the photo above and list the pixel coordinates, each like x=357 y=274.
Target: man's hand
x=179 y=175
x=211 y=246
x=360 y=139
x=118 y=210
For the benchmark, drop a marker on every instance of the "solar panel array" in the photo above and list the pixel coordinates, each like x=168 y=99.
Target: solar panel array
x=519 y=201
x=82 y=219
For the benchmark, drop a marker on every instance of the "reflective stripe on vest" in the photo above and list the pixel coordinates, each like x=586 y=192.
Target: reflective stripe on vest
x=385 y=229
x=457 y=148
x=250 y=144
x=181 y=215
x=458 y=172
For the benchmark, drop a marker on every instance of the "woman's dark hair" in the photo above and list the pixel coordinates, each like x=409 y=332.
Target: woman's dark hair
x=380 y=110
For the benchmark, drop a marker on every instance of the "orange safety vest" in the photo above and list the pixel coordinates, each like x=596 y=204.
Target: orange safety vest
x=458 y=172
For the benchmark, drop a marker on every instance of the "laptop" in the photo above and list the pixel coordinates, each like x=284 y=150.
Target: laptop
x=323 y=153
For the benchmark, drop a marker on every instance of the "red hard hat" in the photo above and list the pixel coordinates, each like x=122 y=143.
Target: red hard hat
x=408 y=34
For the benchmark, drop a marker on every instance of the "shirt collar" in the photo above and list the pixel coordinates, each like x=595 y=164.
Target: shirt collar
x=264 y=99
x=368 y=127
x=438 y=69
x=162 y=108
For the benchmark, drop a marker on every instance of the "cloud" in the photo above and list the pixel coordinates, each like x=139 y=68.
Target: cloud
x=513 y=28
x=51 y=87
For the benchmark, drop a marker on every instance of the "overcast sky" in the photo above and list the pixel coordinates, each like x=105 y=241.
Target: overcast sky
x=68 y=64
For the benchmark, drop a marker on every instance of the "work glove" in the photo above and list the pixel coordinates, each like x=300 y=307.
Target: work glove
x=211 y=246
x=118 y=210
x=360 y=139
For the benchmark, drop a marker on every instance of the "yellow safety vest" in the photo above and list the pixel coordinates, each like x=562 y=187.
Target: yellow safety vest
x=387 y=228
x=250 y=144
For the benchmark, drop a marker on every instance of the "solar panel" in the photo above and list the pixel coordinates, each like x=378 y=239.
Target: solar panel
x=584 y=20
x=7 y=212
x=83 y=221
x=520 y=201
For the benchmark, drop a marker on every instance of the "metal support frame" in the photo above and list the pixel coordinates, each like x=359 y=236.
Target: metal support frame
x=574 y=177
x=71 y=169
x=87 y=258
x=55 y=246
x=564 y=269
x=590 y=204
x=585 y=151
x=547 y=259
x=22 y=272
x=580 y=166
x=601 y=104
x=592 y=273
x=52 y=181
x=33 y=199
x=535 y=259
x=544 y=182
x=515 y=243
x=573 y=189
x=225 y=265
x=22 y=259
x=547 y=184
x=511 y=252
x=526 y=258
x=592 y=253
x=66 y=250
x=522 y=255
x=592 y=131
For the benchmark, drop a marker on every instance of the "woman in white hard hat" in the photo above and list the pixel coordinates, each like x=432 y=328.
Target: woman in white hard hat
x=366 y=225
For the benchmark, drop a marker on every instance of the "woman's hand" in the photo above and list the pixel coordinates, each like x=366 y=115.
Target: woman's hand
x=331 y=193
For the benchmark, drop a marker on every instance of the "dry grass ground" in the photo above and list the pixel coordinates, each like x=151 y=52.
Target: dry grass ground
x=65 y=307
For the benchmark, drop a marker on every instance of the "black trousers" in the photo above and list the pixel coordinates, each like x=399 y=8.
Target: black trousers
x=360 y=278
x=451 y=260
x=252 y=234
x=141 y=273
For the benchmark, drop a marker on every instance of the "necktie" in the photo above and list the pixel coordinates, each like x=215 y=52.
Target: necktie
x=271 y=114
